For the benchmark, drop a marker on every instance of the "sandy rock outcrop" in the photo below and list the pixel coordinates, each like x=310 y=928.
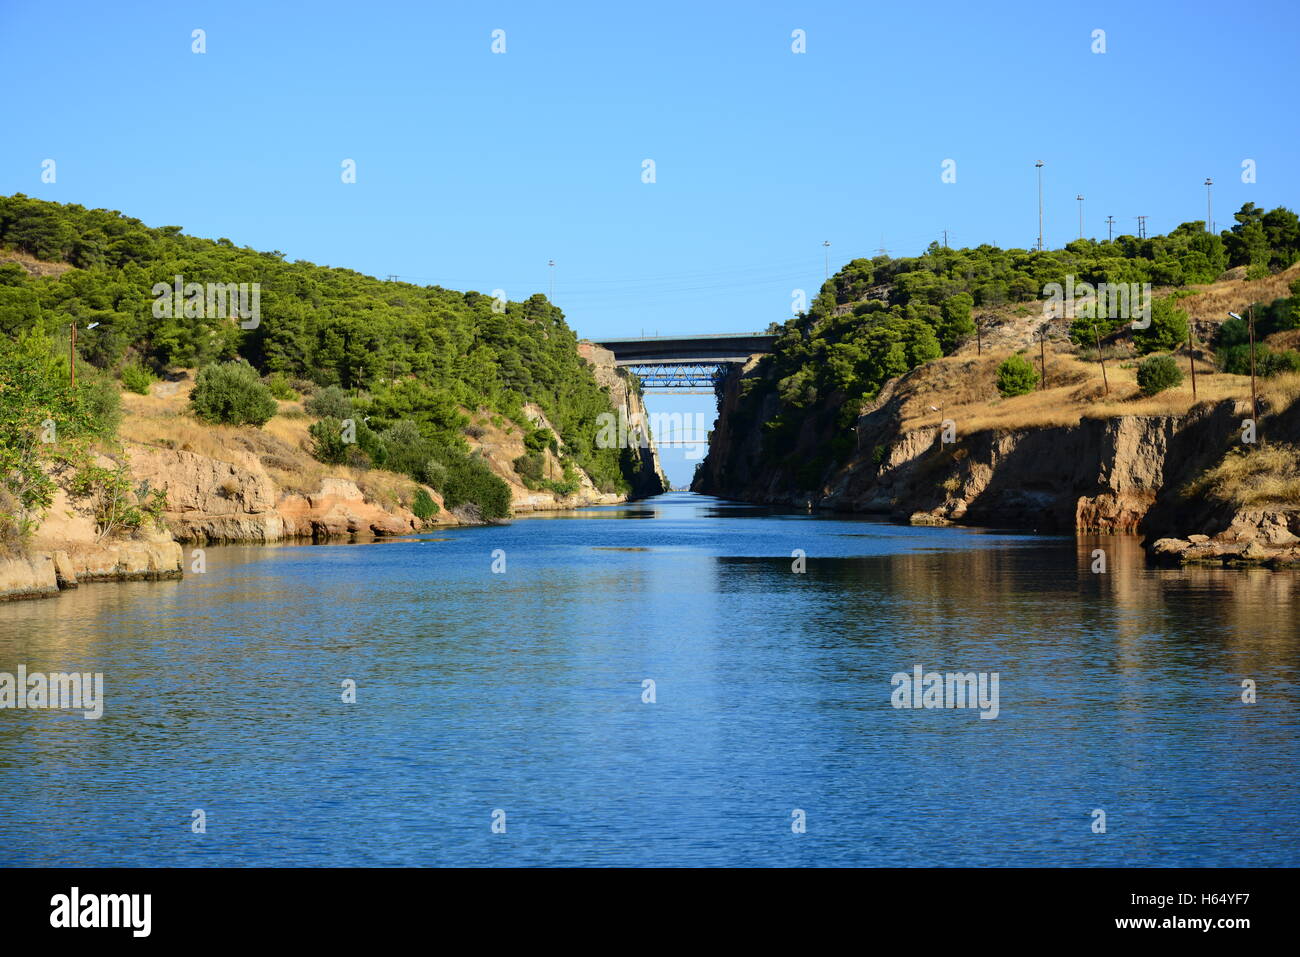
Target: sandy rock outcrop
x=235 y=500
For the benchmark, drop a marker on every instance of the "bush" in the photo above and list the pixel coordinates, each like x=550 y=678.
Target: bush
x=1017 y=376
x=329 y=403
x=406 y=450
x=136 y=378
x=469 y=481
x=280 y=387
x=1157 y=374
x=230 y=393
x=434 y=474
x=423 y=505
x=1168 y=329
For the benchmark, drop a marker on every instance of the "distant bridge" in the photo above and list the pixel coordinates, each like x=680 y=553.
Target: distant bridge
x=685 y=362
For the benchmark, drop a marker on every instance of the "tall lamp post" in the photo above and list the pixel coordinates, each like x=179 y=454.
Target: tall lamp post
x=1039 y=166
x=827 y=244
x=1080 y=199
x=1254 y=403
x=1209 y=205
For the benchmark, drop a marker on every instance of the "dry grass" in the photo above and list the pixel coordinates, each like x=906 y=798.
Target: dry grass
x=1213 y=302
x=34 y=266
x=1278 y=392
x=964 y=389
x=163 y=419
x=1267 y=475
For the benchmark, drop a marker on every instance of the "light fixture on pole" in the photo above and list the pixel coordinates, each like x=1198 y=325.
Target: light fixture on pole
x=1254 y=403
x=1039 y=166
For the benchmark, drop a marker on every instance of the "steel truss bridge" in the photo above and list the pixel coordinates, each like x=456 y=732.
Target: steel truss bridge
x=685 y=363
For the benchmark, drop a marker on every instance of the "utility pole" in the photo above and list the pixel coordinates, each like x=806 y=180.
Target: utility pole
x=1191 y=353
x=72 y=355
x=827 y=244
x=1110 y=228
x=1254 y=402
x=1142 y=227
x=1042 y=354
x=551 y=264
x=1209 y=205
x=1097 y=338
x=1080 y=199
x=945 y=239
x=979 y=345
x=392 y=277
x=1039 y=166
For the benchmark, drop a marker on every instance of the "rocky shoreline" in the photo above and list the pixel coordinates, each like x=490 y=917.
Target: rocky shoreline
x=1125 y=474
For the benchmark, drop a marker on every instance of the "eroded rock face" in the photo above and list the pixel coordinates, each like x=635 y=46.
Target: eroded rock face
x=44 y=574
x=27 y=577
x=212 y=500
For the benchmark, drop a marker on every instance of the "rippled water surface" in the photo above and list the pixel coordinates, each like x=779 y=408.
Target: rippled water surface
x=523 y=692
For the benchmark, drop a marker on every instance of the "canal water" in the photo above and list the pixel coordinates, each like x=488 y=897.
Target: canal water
x=659 y=684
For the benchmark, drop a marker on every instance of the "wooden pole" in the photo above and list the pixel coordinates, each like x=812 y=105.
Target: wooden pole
x=1097 y=336
x=979 y=345
x=72 y=355
x=1042 y=356
x=1254 y=402
x=1191 y=353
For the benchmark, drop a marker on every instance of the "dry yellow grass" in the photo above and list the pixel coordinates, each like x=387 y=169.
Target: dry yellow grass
x=1265 y=475
x=964 y=388
x=1212 y=303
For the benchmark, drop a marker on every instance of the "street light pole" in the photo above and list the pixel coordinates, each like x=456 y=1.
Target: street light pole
x=1039 y=166
x=1209 y=205
x=1080 y=199
x=827 y=243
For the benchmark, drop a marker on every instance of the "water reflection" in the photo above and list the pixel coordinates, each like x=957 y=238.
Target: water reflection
x=523 y=691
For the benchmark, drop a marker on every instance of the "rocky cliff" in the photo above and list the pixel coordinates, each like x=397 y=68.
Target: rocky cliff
x=1114 y=473
x=67 y=551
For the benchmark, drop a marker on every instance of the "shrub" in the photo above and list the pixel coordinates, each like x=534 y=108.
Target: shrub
x=423 y=505
x=230 y=393
x=117 y=505
x=1157 y=374
x=469 y=481
x=406 y=450
x=434 y=474
x=280 y=387
x=529 y=467
x=1168 y=329
x=136 y=378
x=329 y=403
x=1017 y=376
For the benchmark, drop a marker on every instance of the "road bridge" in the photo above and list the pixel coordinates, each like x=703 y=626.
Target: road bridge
x=685 y=362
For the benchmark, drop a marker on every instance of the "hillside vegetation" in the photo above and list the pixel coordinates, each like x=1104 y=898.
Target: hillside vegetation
x=877 y=319
x=393 y=371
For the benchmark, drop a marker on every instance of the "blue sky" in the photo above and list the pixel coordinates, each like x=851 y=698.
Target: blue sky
x=474 y=169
